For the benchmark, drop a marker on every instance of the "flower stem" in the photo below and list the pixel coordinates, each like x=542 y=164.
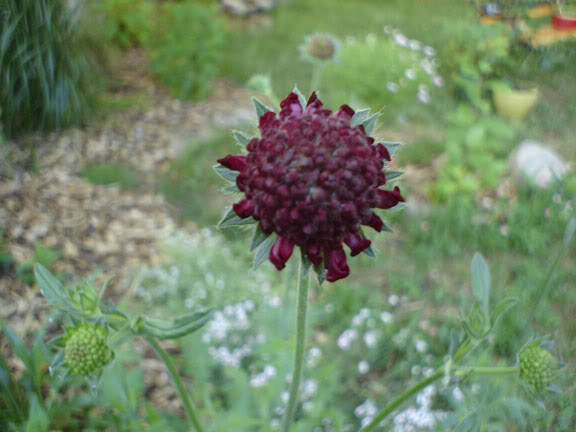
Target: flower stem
x=303 y=282
x=184 y=396
x=459 y=372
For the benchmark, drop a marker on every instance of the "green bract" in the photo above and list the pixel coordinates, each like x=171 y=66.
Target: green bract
x=86 y=350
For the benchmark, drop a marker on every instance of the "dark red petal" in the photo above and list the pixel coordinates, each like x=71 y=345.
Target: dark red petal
x=356 y=243
x=313 y=102
x=388 y=199
x=383 y=152
x=375 y=222
x=345 y=111
x=314 y=253
x=281 y=252
x=234 y=162
x=267 y=120
x=336 y=265
x=290 y=105
x=243 y=208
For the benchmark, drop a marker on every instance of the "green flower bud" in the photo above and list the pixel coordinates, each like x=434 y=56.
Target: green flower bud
x=86 y=350
x=538 y=367
x=321 y=47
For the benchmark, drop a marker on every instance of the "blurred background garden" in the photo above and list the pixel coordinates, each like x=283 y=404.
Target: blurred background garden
x=112 y=115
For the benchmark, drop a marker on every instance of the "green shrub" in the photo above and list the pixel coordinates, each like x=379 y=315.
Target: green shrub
x=127 y=23
x=185 y=48
x=45 y=73
x=390 y=71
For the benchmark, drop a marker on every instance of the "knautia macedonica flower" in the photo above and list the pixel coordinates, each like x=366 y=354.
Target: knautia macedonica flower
x=320 y=47
x=538 y=367
x=312 y=179
x=86 y=350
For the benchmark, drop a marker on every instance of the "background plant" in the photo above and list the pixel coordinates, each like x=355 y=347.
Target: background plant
x=46 y=75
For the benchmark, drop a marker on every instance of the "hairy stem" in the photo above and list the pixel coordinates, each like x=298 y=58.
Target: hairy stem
x=303 y=282
x=184 y=396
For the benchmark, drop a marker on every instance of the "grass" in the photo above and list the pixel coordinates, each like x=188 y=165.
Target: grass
x=106 y=174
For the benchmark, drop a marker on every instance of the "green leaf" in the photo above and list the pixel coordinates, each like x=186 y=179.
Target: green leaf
x=301 y=97
x=476 y=324
x=18 y=346
x=57 y=362
x=263 y=251
x=258 y=238
x=454 y=343
x=38 y=420
x=226 y=173
x=115 y=319
x=500 y=308
x=178 y=327
x=57 y=342
x=570 y=230
x=481 y=281
x=261 y=109
x=241 y=138
x=230 y=218
x=392 y=174
x=360 y=117
x=399 y=206
x=369 y=251
x=370 y=122
x=390 y=146
x=53 y=290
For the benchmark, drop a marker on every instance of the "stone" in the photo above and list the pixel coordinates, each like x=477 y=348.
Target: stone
x=537 y=165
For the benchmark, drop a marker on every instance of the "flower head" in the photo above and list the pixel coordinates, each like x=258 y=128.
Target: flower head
x=86 y=350
x=538 y=367
x=320 y=47
x=313 y=178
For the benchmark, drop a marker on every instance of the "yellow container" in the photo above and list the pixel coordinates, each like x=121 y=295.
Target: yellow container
x=515 y=104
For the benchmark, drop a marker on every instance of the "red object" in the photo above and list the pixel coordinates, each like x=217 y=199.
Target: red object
x=313 y=179
x=564 y=22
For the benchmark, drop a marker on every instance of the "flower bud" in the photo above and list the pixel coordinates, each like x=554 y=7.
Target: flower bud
x=86 y=350
x=321 y=47
x=538 y=367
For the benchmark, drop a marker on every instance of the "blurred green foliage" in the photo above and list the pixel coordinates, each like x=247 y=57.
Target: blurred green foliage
x=127 y=23
x=110 y=174
x=46 y=74
x=186 y=48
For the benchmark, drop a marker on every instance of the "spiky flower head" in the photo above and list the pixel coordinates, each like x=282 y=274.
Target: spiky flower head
x=313 y=178
x=538 y=367
x=320 y=47
x=86 y=350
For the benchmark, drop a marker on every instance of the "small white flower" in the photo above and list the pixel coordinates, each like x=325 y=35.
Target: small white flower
x=415 y=45
x=421 y=346
x=370 y=339
x=346 y=338
x=386 y=317
x=363 y=367
x=392 y=87
x=394 y=300
x=429 y=51
x=410 y=74
x=438 y=81
x=401 y=39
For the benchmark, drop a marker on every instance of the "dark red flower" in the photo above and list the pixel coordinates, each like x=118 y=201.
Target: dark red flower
x=313 y=179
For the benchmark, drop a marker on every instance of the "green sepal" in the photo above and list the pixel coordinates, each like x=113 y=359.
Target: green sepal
x=262 y=252
x=230 y=218
x=261 y=109
x=476 y=325
x=115 y=319
x=179 y=327
x=390 y=146
x=370 y=123
x=57 y=362
x=320 y=273
x=360 y=117
x=398 y=207
x=369 y=251
x=392 y=174
x=231 y=188
x=241 y=138
x=301 y=97
x=57 y=342
x=226 y=173
x=258 y=238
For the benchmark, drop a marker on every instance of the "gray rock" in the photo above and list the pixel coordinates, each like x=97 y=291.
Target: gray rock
x=247 y=7
x=534 y=163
